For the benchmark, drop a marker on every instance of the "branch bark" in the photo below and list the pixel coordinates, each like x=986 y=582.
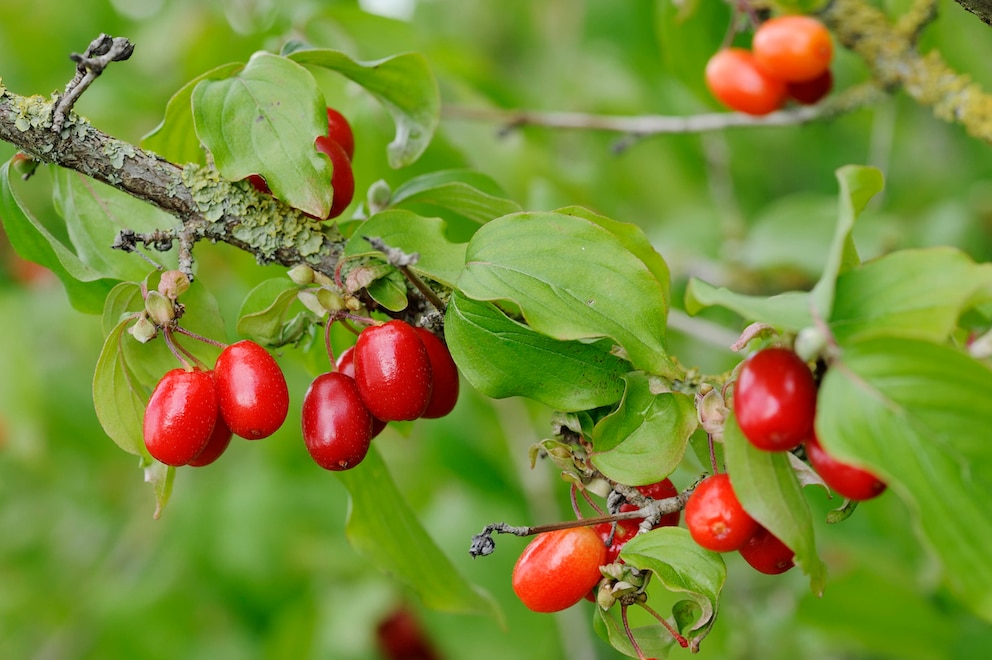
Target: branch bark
x=980 y=8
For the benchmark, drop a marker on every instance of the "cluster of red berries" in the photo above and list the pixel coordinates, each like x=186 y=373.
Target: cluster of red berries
x=339 y=146
x=789 y=59
x=775 y=405
x=559 y=568
x=393 y=372
x=192 y=414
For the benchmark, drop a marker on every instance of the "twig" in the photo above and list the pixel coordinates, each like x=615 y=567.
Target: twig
x=101 y=52
x=402 y=261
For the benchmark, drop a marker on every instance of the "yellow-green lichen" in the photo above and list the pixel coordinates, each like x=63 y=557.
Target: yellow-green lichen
x=32 y=112
x=117 y=151
x=263 y=223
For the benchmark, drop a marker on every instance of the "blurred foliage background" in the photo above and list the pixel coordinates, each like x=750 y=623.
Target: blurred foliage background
x=249 y=559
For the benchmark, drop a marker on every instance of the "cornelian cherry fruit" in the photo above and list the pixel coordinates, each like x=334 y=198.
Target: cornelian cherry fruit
x=180 y=416
x=558 y=568
x=659 y=490
x=812 y=91
x=775 y=399
x=852 y=482
x=393 y=371
x=342 y=176
x=625 y=530
x=766 y=553
x=444 y=390
x=218 y=443
x=793 y=48
x=337 y=427
x=251 y=390
x=715 y=517
x=339 y=130
x=736 y=80
x=346 y=365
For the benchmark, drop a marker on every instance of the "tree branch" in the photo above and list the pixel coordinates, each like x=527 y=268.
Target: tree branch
x=980 y=8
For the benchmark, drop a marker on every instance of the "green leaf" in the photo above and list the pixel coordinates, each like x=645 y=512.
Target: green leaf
x=440 y=259
x=118 y=398
x=653 y=640
x=175 y=137
x=390 y=291
x=644 y=439
x=468 y=194
x=265 y=120
x=382 y=526
x=917 y=414
x=573 y=278
x=913 y=293
x=858 y=184
x=786 y=311
x=85 y=286
x=767 y=486
x=501 y=357
x=94 y=213
x=264 y=310
x=403 y=84
x=684 y=568
x=161 y=477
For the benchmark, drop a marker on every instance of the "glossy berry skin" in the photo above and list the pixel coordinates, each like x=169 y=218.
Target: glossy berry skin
x=258 y=182
x=766 y=553
x=393 y=371
x=337 y=427
x=342 y=176
x=735 y=79
x=180 y=416
x=444 y=389
x=793 y=48
x=626 y=530
x=715 y=517
x=850 y=481
x=659 y=490
x=811 y=91
x=346 y=365
x=251 y=390
x=558 y=568
x=218 y=443
x=775 y=399
x=339 y=130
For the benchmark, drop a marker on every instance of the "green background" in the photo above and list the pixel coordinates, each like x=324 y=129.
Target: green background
x=249 y=559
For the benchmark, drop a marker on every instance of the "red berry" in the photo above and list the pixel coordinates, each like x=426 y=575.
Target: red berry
x=180 y=416
x=339 y=130
x=715 y=517
x=736 y=80
x=258 y=182
x=626 y=530
x=444 y=390
x=251 y=388
x=811 y=91
x=337 y=427
x=850 y=481
x=393 y=371
x=793 y=48
x=766 y=553
x=346 y=365
x=660 y=490
x=342 y=176
x=558 y=568
x=216 y=445
x=775 y=399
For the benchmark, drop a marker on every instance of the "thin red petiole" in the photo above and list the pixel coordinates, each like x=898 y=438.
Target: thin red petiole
x=683 y=642
x=630 y=633
x=593 y=504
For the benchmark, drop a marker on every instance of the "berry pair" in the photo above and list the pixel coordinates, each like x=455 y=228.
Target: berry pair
x=339 y=146
x=775 y=405
x=192 y=414
x=394 y=372
x=789 y=58
x=717 y=521
x=614 y=538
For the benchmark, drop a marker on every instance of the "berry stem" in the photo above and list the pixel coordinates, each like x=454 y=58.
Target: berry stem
x=630 y=633
x=327 y=340
x=596 y=507
x=205 y=340
x=178 y=351
x=683 y=642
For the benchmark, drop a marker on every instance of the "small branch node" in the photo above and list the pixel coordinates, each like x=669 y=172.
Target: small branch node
x=101 y=52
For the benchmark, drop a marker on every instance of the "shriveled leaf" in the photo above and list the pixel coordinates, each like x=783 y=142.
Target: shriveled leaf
x=913 y=293
x=573 y=278
x=405 y=87
x=85 y=286
x=501 y=357
x=264 y=310
x=439 y=258
x=175 y=138
x=685 y=569
x=767 y=486
x=643 y=441
x=917 y=414
x=264 y=120
x=382 y=526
